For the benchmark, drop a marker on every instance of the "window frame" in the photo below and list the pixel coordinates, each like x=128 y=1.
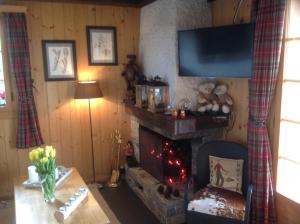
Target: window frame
x=8 y=110
x=277 y=113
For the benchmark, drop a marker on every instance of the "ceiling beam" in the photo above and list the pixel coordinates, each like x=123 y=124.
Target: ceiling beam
x=130 y=3
x=145 y=2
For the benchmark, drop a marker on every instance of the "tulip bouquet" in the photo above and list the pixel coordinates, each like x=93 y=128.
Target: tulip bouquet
x=44 y=160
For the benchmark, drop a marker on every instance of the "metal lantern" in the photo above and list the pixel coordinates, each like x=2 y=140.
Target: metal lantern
x=141 y=95
x=158 y=96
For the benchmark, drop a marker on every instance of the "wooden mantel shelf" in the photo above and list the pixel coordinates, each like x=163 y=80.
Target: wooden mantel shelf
x=189 y=128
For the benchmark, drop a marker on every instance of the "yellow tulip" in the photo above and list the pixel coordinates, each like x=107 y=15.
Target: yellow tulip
x=40 y=152
x=53 y=153
x=44 y=160
x=32 y=155
x=47 y=151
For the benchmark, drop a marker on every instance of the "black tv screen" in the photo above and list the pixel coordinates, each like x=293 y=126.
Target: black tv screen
x=216 y=51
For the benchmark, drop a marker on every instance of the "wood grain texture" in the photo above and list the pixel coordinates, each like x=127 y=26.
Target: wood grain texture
x=12 y=8
x=223 y=14
x=31 y=208
x=65 y=121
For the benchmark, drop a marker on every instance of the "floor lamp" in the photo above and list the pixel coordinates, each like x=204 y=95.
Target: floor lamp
x=89 y=90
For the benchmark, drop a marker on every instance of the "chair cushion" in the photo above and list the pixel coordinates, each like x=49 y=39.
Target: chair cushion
x=226 y=173
x=218 y=202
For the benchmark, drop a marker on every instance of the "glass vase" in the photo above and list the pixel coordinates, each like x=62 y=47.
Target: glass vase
x=48 y=186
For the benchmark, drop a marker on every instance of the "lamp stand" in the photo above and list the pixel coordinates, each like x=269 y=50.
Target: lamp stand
x=93 y=156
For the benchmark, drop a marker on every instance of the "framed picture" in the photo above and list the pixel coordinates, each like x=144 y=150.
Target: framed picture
x=59 y=60
x=102 y=45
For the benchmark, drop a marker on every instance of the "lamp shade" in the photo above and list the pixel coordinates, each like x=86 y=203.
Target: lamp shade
x=88 y=90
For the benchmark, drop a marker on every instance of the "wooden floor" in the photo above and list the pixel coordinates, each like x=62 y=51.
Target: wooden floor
x=126 y=205
x=7 y=211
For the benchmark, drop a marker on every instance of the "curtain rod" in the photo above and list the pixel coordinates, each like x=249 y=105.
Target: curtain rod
x=13 y=8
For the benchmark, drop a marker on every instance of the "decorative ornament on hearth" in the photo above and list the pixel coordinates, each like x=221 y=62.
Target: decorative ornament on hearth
x=222 y=99
x=205 y=97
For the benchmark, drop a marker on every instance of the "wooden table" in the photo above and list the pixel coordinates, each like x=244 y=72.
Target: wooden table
x=31 y=207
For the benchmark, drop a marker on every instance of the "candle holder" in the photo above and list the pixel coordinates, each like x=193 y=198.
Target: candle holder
x=158 y=95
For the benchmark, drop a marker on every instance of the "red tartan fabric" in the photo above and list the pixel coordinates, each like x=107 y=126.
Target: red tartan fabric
x=28 y=130
x=269 y=18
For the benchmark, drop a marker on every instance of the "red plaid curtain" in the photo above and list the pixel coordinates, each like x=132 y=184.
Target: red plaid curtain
x=28 y=130
x=269 y=18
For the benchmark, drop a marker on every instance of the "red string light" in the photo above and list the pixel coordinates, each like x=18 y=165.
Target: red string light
x=171 y=152
x=171 y=180
x=177 y=162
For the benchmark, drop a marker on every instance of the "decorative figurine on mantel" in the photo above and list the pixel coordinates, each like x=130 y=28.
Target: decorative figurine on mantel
x=131 y=74
x=214 y=99
x=158 y=95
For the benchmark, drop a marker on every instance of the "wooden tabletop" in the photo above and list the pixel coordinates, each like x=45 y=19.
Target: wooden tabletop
x=31 y=207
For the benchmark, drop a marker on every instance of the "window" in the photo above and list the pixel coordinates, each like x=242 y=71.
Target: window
x=2 y=81
x=288 y=169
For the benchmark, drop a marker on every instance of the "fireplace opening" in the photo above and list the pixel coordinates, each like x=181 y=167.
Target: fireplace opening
x=167 y=160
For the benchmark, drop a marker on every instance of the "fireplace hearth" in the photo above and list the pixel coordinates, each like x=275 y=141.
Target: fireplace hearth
x=167 y=151
x=167 y=160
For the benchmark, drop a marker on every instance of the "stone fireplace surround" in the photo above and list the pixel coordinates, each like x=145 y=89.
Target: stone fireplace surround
x=168 y=211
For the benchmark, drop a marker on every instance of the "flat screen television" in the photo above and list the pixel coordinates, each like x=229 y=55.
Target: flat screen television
x=224 y=52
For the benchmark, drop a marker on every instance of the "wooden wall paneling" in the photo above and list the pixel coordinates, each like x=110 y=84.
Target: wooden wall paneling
x=106 y=123
x=65 y=121
x=223 y=14
x=59 y=20
x=35 y=37
x=81 y=15
x=51 y=87
x=93 y=74
x=130 y=23
x=9 y=127
x=80 y=20
x=4 y=177
x=124 y=32
x=78 y=159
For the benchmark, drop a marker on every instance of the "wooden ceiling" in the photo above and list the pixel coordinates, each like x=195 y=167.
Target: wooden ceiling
x=133 y=3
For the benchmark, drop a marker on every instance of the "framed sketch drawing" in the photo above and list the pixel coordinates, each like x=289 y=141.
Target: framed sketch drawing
x=59 y=60
x=102 y=45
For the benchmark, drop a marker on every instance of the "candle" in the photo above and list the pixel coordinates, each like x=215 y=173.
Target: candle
x=33 y=175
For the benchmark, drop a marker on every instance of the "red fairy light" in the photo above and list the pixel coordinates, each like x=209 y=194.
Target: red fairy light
x=152 y=152
x=170 y=162
x=171 y=181
x=182 y=171
x=177 y=162
x=171 y=152
x=158 y=155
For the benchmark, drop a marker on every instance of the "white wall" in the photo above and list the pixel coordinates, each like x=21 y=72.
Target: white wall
x=158 y=41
